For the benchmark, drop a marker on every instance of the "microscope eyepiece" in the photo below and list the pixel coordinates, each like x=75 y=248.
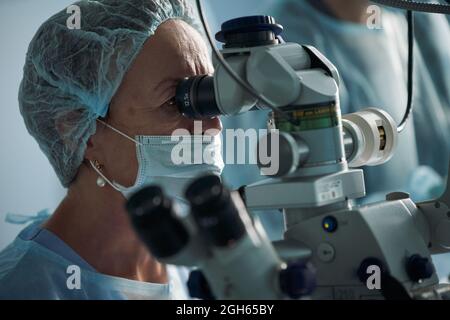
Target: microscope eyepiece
x=195 y=97
x=153 y=217
x=214 y=211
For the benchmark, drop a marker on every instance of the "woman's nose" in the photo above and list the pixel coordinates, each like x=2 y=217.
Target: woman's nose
x=214 y=126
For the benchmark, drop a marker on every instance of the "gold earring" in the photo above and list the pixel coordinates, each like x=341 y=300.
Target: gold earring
x=100 y=180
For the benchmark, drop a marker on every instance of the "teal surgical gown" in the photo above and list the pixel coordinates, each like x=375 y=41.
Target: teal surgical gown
x=39 y=265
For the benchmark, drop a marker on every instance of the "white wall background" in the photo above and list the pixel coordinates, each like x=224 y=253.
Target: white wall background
x=27 y=182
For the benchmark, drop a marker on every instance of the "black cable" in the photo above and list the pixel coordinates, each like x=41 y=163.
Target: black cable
x=416 y=6
x=231 y=72
x=412 y=6
x=409 y=106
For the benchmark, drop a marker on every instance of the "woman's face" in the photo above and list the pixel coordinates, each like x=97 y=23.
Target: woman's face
x=140 y=106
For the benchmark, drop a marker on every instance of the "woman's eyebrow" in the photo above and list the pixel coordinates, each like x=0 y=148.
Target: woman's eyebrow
x=169 y=82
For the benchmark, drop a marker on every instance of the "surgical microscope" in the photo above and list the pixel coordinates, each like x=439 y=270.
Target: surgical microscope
x=331 y=247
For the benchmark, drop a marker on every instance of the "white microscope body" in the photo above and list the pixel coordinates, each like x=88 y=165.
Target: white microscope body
x=315 y=185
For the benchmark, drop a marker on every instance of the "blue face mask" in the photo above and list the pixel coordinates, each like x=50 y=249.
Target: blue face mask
x=171 y=162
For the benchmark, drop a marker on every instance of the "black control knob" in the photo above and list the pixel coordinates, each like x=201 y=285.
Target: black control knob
x=419 y=268
x=198 y=286
x=250 y=31
x=298 y=280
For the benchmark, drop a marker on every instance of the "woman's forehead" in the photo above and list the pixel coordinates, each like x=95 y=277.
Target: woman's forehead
x=176 y=50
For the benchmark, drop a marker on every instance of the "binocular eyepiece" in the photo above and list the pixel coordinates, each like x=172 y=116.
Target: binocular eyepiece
x=154 y=217
x=214 y=211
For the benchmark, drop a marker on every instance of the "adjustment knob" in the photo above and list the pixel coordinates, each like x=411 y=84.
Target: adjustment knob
x=297 y=280
x=419 y=268
x=249 y=31
x=198 y=286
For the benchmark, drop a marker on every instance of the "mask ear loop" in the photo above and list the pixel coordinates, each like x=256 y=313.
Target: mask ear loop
x=112 y=183
x=119 y=132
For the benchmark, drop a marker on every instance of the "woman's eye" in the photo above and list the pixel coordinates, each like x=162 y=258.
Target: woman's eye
x=172 y=102
x=171 y=106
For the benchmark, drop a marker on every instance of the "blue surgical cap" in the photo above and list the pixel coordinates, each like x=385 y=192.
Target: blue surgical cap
x=71 y=75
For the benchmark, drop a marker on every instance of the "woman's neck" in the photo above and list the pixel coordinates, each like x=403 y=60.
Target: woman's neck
x=93 y=222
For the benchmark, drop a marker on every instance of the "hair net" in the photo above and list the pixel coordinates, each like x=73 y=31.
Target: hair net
x=71 y=75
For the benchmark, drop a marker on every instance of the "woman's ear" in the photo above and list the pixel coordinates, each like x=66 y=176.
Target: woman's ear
x=94 y=145
x=89 y=153
x=64 y=125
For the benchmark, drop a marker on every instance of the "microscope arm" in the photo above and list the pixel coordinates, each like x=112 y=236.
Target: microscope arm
x=290 y=74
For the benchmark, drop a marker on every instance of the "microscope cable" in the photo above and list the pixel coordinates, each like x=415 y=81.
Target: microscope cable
x=417 y=6
x=412 y=6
